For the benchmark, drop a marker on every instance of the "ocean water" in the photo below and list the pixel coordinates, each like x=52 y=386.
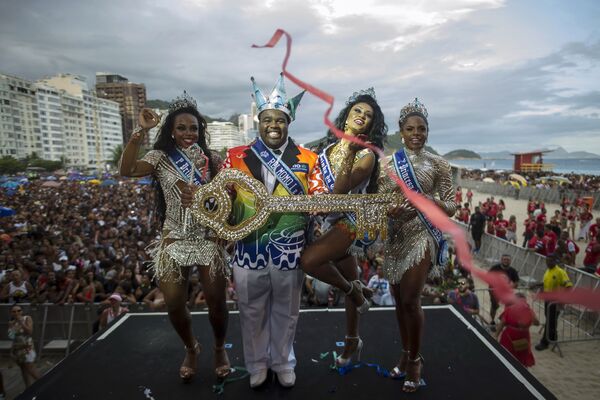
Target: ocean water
x=560 y=166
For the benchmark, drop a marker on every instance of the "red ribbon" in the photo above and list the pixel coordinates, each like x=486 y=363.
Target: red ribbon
x=502 y=289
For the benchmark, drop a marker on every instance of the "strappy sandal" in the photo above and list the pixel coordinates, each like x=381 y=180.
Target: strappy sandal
x=223 y=370
x=411 y=386
x=344 y=362
x=187 y=373
x=397 y=372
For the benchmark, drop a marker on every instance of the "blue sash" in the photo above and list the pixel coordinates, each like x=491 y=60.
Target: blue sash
x=405 y=171
x=184 y=166
x=282 y=172
x=329 y=179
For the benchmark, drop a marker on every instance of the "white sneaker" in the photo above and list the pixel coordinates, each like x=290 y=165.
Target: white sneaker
x=287 y=378
x=258 y=379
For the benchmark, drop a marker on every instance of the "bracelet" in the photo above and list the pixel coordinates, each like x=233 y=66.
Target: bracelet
x=137 y=133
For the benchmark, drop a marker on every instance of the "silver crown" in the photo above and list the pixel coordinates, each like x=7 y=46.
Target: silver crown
x=183 y=101
x=413 y=107
x=368 y=92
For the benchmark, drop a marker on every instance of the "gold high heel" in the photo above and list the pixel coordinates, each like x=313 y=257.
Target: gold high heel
x=187 y=373
x=397 y=372
x=222 y=371
x=356 y=286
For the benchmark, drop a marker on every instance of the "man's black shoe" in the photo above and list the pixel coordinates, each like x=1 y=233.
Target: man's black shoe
x=541 y=346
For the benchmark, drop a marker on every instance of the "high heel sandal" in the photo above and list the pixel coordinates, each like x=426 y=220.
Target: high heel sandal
x=411 y=386
x=223 y=370
x=187 y=373
x=397 y=372
x=357 y=286
x=344 y=362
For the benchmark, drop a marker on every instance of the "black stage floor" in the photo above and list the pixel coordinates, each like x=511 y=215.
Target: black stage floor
x=139 y=358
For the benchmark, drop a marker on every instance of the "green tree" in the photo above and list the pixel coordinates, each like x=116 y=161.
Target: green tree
x=10 y=165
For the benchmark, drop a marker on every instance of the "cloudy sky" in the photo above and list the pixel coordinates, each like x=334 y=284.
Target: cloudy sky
x=494 y=74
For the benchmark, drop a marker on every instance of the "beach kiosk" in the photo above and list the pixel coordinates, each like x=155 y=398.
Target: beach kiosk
x=531 y=161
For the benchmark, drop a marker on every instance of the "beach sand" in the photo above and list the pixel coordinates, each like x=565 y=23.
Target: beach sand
x=576 y=375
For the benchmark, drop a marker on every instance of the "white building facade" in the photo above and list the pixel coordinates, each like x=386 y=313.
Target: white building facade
x=224 y=135
x=57 y=118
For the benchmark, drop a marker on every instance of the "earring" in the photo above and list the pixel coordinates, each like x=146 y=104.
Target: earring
x=172 y=137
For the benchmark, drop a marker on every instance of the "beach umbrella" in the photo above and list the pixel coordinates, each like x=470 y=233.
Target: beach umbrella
x=10 y=185
x=63 y=178
x=514 y=184
x=51 y=184
x=489 y=180
x=144 y=181
x=51 y=178
x=559 y=179
x=6 y=212
x=518 y=178
x=108 y=182
x=94 y=182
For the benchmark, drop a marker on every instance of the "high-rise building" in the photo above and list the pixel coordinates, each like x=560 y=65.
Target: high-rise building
x=57 y=118
x=19 y=118
x=223 y=135
x=86 y=129
x=130 y=96
x=248 y=124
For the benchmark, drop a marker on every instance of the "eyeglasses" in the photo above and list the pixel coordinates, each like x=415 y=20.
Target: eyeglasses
x=462 y=283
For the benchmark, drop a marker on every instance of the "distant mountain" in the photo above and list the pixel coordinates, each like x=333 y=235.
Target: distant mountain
x=499 y=155
x=164 y=105
x=558 y=153
x=461 y=154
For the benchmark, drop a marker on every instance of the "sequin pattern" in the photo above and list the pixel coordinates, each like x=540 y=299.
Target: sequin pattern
x=177 y=248
x=408 y=239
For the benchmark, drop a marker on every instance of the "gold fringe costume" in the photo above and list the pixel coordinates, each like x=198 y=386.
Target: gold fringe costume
x=176 y=248
x=408 y=239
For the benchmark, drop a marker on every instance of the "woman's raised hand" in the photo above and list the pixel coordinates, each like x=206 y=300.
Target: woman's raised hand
x=148 y=119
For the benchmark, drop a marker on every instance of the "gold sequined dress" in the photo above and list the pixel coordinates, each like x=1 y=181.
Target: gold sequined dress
x=336 y=155
x=175 y=248
x=408 y=239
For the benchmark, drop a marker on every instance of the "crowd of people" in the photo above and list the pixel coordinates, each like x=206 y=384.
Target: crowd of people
x=542 y=180
x=570 y=226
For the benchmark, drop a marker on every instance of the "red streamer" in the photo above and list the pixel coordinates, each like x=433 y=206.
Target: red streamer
x=502 y=289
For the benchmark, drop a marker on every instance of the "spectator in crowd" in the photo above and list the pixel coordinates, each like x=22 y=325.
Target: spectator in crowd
x=381 y=287
x=511 y=229
x=476 y=225
x=505 y=268
x=470 y=197
x=585 y=219
x=458 y=195
x=513 y=330
x=550 y=238
x=113 y=311
x=463 y=297
x=594 y=230
x=319 y=293
x=567 y=248
x=155 y=300
x=555 y=278
x=537 y=244
x=530 y=228
x=592 y=256
x=18 y=290
x=464 y=213
x=500 y=226
x=144 y=288
x=20 y=331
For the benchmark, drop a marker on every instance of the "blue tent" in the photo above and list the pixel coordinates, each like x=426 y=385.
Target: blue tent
x=6 y=212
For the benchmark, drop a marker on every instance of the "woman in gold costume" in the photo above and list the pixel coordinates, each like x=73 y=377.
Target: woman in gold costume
x=413 y=244
x=179 y=160
x=347 y=169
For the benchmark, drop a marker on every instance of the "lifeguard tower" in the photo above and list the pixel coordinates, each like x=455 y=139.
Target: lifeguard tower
x=531 y=161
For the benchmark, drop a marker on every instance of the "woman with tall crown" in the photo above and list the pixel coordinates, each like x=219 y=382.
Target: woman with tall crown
x=180 y=160
x=347 y=169
x=413 y=243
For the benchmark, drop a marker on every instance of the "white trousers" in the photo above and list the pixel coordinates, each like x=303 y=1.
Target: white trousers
x=269 y=303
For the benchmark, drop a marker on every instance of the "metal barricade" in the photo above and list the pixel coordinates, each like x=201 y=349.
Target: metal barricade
x=575 y=322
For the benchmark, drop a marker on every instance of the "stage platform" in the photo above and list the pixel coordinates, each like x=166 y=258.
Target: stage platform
x=138 y=357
